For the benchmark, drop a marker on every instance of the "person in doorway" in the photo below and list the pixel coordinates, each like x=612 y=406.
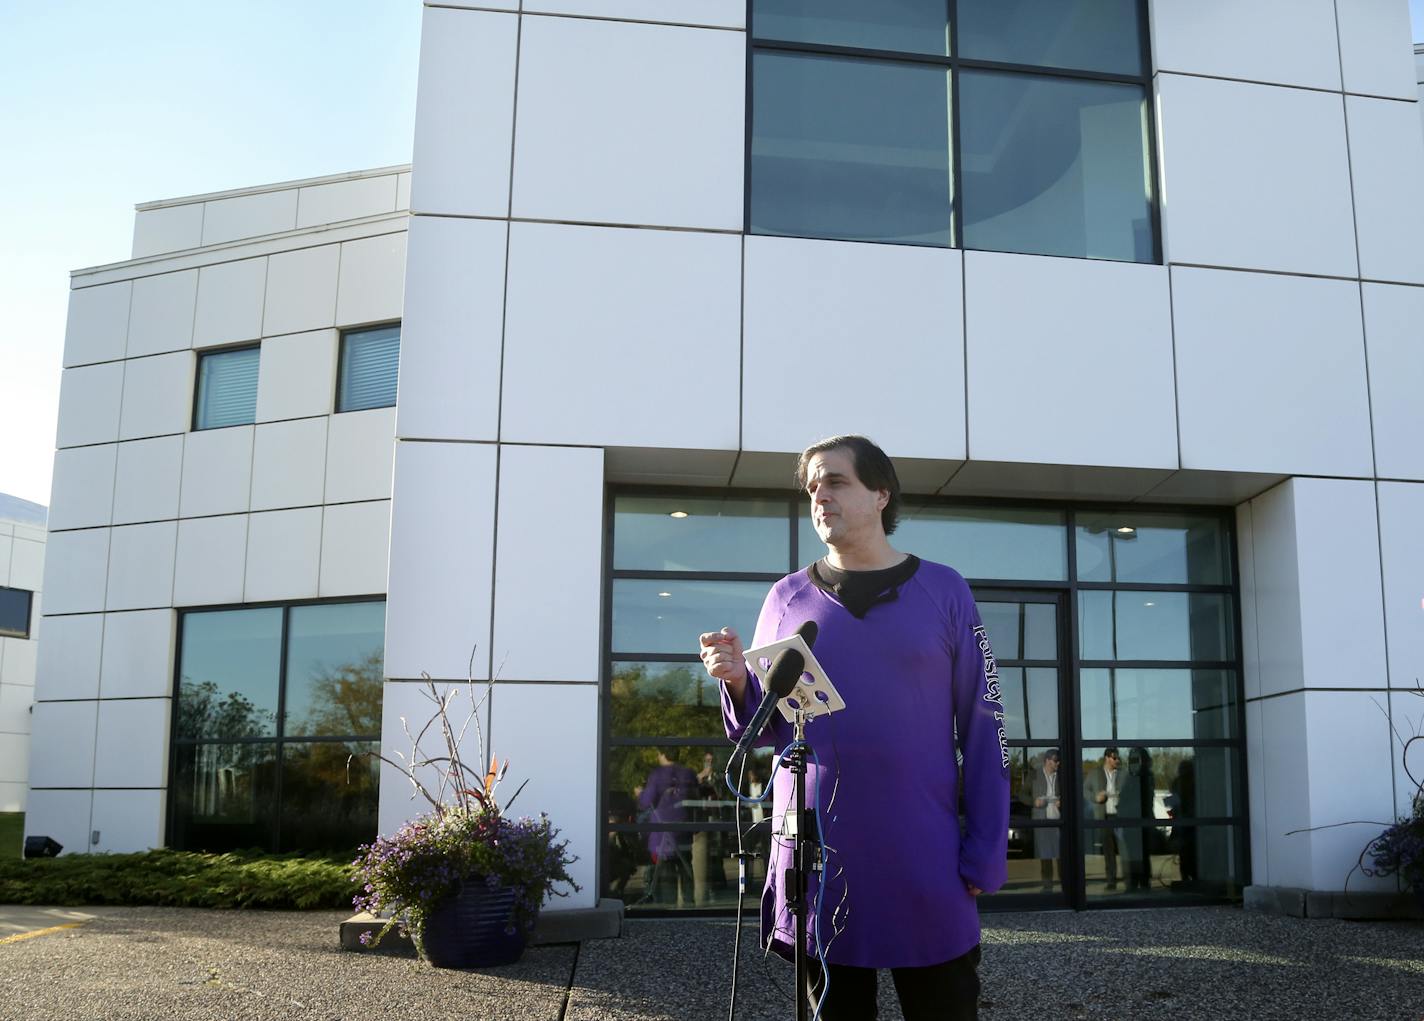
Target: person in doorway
x=1103 y=790
x=903 y=642
x=1047 y=805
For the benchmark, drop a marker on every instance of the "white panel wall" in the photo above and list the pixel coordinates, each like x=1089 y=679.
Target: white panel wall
x=217 y=471
x=82 y=491
x=97 y=329
x=141 y=566
x=229 y=307
x=1278 y=859
x=89 y=401
x=283 y=555
x=609 y=330
x=147 y=479
x=131 y=747
x=1376 y=50
x=550 y=512
x=76 y=568
x=1396 y=363
x=711 y=13
x=289 y=463
x=301 y=290
x=355 y=548
x=1246 y=39
x=245 y=216
x=406 y=707
x=62 y=815
x=1082 y=374
x=369 y=284
x=359 y=453
x=1248 y=400
x=69 y=657
x=161 y=316
x=1254 y=176
x=1401 y=511
x=815 y=303
x=1386 y=166
x=464 y=113
x=128 y=821
x=137 y=662
x=653 y=105
x=297 y=376
x=211 y=561
x=62 y=744
x=167 y=229
x=158 y=396
x=441 y=560
x=1277 y=574
x=346 y=200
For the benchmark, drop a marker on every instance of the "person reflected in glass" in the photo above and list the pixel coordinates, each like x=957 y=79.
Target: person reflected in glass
x=1103 y=791
x=714 y=803
x=624 y=854
x=1047 y=804
x=1137 y=805
x=1182 y=800
x=663 y=800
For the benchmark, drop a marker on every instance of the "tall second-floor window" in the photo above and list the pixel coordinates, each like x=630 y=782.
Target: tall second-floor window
x=1000 y=125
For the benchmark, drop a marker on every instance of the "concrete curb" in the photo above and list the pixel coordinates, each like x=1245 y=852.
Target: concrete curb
x=1301 y=903
x=571 y=926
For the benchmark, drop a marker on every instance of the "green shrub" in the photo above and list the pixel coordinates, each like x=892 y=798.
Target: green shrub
x=12 y=829
x=166 y=878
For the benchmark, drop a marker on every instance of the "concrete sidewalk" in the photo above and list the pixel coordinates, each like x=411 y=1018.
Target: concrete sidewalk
x=1208 y=963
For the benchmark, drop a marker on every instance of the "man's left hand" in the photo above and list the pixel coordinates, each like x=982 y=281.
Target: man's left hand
x=974 y=891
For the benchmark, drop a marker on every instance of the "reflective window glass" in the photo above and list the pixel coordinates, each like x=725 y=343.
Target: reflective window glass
x=664 y=700
x=988 y=542
x=667 y=616
x=851 y=149
x=1155 y=625
x=224 y=796
x=809 y=547
x=1161 y=782
x=1167 y=862
x=370 y=364
x=1039 y=792
x=694 y=533
x=335 y=666
x=1028 y=783
x=1020 y=630
x=1030 y=702
x=227 y=388
x=1158 y=705
x=1055 y=166
x=1153 y=548
x=914 y=26
x=1087 y=35
x=14 y=613
x=329 y=794
x=229 y=674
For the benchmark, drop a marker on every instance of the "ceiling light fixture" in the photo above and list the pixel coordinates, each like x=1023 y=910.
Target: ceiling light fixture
x=678 y=514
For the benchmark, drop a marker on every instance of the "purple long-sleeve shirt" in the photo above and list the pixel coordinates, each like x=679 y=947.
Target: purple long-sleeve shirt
x=913 y=671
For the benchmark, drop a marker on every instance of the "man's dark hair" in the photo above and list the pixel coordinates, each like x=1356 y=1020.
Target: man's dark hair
x=872 y=467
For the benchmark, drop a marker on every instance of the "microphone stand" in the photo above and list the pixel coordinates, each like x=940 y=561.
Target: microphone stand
x=805 y=860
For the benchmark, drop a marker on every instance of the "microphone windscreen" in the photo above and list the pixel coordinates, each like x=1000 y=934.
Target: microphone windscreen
x=808 y=632
x=786 y=670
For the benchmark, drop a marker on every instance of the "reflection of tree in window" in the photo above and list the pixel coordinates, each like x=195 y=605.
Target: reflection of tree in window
x=344 y=699
x=669 y=703
x=201 y=713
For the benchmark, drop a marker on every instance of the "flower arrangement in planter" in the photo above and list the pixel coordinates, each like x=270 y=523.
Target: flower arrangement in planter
x=463 y=879
x=1399 y=850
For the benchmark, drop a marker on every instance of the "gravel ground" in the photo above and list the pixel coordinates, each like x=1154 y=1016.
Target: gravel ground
x=1183 y=964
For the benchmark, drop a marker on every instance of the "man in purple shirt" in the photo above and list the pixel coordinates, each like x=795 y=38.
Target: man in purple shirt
x=920 y=740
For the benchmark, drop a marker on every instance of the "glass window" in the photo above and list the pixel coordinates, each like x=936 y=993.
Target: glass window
x=851 y=149
x=227 y=388
x=1055 y=166
x=229 y=674
x=1030 y=702
x=1020 y=630
x=1087 y=35
x=370 y=360
x=1164 y=862
x=225 y=796
x=329 y=794
x=680 y=533
x=1163 y=782
x=1153 y=548
x=988 y=542
x=335 y=666
x=14 y=613
x=1155 y=625
x=667 y=616
x=914 y=26
x=1158 y=705
x=664 y=699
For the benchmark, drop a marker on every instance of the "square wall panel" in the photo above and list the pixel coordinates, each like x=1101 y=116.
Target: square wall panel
x=602 y=318
x=812 y=304
x=68 y=659
x=62 y=744
x=128 y=821
x=98 y=324
x=403 y=190
x=1401 y=509
x=141 y=566
x=283 y=555
x=161 y=318
x=1387 y=164
x=1243 y=40
x=1376 y=53
x=359 y=451
x=147 y=476
x=1247 y=400
x=131 y=749
x=655 y=124
x=16 y=702
x=355 y=547
x=17 y=664
x=82 y=490
x=546 y=732
x=1069 y=361
x=1254 y=176
x=14 y=749
x=138 y=656
x=1337 y=542
x=90 y=397
x=442 y=523
x=301 y=290
x=297 y=377
x=464 y=113
x=550 y=512
x=371 y=280
x=217 y=471
x=76 y=570
x=229 y=302
x=13 y=795
x=158 y=395
x=346 y=200
x=247 y=216
x=1395 y=349
x=452 y=328
x=289 y=463
x=211 y=560
x=63 y=815
x=1275 y=566
x=711 y=13
x=408 y=704
x=27 y=566
x=167 y=229
x=1256 y=793
x=1287 y=793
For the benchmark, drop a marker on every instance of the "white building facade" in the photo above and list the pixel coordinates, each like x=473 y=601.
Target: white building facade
x=22 y=548
x=1132 y=300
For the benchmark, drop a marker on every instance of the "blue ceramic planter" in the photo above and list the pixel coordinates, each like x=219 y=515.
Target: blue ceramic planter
x=469 y=930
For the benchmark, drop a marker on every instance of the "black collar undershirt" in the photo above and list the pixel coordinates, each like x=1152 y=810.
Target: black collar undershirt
x=858 y=591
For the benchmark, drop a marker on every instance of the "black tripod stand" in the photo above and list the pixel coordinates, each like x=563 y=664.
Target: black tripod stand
x=806 y=858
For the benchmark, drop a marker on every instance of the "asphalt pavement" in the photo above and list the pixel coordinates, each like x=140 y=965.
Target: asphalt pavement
x=1188 y=963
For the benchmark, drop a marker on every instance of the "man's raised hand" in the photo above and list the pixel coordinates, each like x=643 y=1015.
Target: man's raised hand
x=722 y=655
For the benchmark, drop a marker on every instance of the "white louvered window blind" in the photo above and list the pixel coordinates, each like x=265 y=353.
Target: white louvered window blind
x=227 y=389
x=370 y=361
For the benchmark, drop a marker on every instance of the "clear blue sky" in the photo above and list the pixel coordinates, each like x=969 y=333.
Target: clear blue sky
x=106 y=104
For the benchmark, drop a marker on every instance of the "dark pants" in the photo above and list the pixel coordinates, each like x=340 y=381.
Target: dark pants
x=940 y=992
x=1110 y=852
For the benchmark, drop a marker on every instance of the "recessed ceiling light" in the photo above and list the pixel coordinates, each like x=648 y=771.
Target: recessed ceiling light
x=1126 y=530
x=664 y=594
x=678 y=514
x=1149 y=603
